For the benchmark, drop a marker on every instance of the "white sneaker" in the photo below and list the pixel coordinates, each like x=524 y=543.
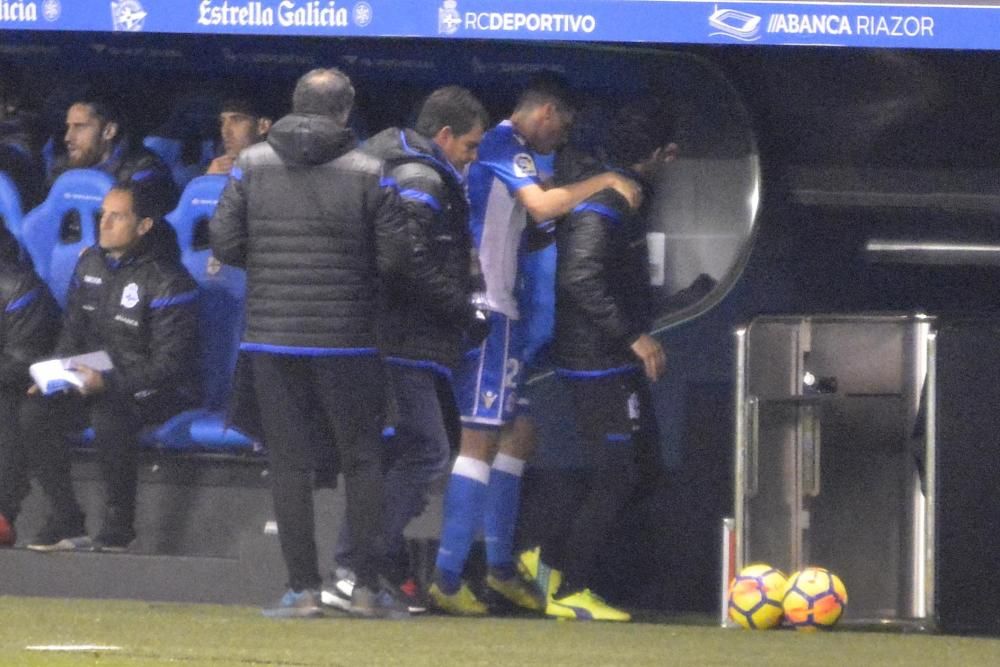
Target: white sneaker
x=339 y=595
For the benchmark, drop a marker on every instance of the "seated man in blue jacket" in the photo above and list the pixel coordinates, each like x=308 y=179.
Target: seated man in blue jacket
x=131 y=297
x=29 y=323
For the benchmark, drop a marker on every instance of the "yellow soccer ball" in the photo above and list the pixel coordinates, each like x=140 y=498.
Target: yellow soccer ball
x=755 y=597
x=815 y=598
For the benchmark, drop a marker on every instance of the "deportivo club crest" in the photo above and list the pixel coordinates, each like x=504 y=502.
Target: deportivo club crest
x=448 y=18
x=130 y=295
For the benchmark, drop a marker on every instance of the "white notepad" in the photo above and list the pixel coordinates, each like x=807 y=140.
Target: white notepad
x=54 y=375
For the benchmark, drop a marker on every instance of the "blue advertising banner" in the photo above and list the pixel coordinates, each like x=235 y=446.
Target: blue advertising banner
x=918 y=25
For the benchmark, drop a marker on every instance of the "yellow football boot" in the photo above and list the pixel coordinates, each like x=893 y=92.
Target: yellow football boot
x=519 y=591
x=462 y=602
x=532 y=568
x=585 y=605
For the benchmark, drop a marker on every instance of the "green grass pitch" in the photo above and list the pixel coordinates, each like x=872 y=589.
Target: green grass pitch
x=218 y=636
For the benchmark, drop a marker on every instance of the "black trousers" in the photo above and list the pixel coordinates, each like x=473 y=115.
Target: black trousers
x=416 y=457
x=14 y=480
x=45 y=452
x=349 y=392
x=613 y=429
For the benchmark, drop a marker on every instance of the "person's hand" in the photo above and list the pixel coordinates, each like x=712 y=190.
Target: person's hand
x=651 y=354
x=221 y=165
x=628 y=189
x=477 y=328
x=665 y=154
x=93 y=381
x=34 y=390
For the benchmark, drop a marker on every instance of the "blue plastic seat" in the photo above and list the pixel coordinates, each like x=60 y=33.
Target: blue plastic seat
x=221 y=300
x=10 y=205
x=170 y=150
x=61 y=227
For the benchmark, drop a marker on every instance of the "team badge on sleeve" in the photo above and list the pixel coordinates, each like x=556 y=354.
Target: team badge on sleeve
x=524 y=166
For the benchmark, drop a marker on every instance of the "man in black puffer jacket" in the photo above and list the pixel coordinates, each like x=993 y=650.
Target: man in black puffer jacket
x=603 y=350
x=428 y=320
x=29 y=324
x=131 y=297
x=311 y=219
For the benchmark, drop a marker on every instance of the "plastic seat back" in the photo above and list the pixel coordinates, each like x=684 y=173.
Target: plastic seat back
x=60 y=228
x=222 y=287
x=10 y=205
x=171 y=151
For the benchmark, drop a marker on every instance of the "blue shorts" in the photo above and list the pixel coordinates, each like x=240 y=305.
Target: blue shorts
x=486 y=381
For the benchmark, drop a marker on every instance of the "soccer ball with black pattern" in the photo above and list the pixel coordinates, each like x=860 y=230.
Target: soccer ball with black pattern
x=815 y=599
x=755 y=597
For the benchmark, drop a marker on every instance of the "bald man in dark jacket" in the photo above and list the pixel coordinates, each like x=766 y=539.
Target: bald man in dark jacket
x=307 y=215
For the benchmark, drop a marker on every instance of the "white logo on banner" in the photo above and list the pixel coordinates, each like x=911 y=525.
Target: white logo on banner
x=736 y=24
x=51 y=10
x=127 y=15
x=130 y=295
x=362 y=14
x=448 y=17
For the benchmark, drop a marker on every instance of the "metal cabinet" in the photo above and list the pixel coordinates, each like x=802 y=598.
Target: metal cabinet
x=835 y=455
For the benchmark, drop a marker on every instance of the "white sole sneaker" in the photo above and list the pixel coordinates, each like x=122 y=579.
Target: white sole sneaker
x=339 y=596
x=82 y=543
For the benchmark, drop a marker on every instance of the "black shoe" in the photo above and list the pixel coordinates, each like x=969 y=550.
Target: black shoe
x=59 y=534
x=113 y=541
x=412 y=595
x=368 y=602
x=111 y=545
x=116 y=532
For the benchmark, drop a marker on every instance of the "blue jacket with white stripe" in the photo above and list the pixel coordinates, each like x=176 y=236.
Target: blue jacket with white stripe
x=142 y=309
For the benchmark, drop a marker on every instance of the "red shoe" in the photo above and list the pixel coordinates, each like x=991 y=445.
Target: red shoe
x=8 y=536
x=410 y=593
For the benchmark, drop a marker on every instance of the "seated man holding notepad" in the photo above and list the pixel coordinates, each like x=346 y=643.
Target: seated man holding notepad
x=132 y=300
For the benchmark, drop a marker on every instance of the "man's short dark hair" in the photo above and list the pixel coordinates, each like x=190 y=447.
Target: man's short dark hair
x=147 y=196
x=454 y=107
x=247 y=106
x=546 y=88
x=326 y=92
x=105 y=107
x=635 y=131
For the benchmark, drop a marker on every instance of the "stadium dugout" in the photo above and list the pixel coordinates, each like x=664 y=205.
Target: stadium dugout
x=810 y=180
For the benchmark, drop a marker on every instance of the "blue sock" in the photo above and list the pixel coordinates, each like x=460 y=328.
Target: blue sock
x=463 y=512
x=502 y=500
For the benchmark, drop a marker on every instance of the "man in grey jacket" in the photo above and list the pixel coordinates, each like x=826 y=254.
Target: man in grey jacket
x=310 y=218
